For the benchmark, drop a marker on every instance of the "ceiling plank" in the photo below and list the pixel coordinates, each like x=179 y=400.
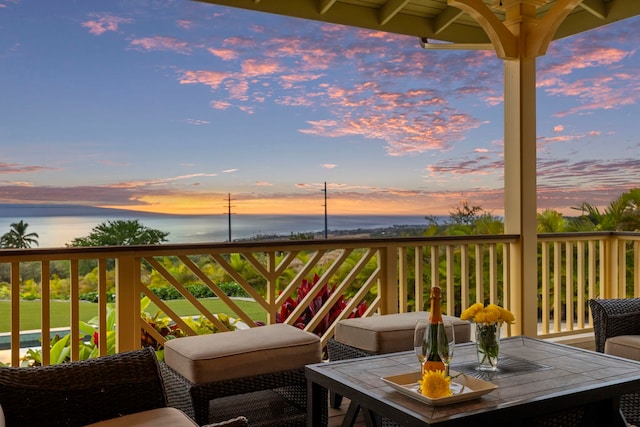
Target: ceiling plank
x=391 y=9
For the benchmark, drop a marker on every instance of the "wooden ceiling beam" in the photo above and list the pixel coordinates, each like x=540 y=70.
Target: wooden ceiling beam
x=444 y=24
x=595 y=7
x=325 y=5
x=446 y=18
x=391 y=9
x=617 y=10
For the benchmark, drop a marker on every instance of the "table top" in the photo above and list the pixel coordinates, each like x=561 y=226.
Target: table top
x=534 y=377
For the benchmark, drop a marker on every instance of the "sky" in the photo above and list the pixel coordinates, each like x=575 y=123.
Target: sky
x=173 y=106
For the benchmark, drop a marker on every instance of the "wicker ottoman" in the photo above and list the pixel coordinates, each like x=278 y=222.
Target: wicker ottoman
x=266 y=358
x=389 y=333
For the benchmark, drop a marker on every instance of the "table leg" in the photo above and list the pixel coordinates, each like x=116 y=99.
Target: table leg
x=371 y=419
x=335 y=399
x=350 y=417
x=316 y=397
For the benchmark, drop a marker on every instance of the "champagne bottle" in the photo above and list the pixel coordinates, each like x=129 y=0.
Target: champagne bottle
x=432 y=361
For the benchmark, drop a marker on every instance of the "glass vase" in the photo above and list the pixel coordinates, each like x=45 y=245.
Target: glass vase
x=487 y=345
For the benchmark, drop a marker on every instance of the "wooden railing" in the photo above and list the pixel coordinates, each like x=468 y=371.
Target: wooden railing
x=388 y=275
x=577 y=266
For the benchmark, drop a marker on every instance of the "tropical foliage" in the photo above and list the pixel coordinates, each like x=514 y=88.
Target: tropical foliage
x=622 y=214
x=18 y=238
x=121 y=233
x=319 y=301
x=89 y=339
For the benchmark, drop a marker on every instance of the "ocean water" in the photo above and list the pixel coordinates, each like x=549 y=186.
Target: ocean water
x=56 y=231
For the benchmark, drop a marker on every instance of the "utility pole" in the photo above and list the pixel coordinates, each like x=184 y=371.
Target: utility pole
x=326 y=230
x=229 y=213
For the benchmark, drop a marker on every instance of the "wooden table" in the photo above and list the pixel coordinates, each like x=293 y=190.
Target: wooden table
x=539 y=383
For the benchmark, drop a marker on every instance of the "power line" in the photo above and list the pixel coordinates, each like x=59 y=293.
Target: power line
x=326 y=230
x=229 y=206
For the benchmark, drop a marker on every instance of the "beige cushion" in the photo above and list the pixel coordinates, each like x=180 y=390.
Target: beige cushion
x=241 y=353
x=391 y=333
x=627 y=346
x=169 y=417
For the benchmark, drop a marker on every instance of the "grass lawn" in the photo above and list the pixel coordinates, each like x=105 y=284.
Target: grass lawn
x=30 y=311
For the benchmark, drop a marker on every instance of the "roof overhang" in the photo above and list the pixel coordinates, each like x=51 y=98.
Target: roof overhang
x=433 y=19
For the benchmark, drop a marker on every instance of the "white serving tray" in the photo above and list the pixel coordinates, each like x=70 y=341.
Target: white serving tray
x=464 y=387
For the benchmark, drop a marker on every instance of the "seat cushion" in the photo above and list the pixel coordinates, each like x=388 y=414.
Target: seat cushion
x=241 y=353
x=627 y=346
x=391 y=333
x=156 y=417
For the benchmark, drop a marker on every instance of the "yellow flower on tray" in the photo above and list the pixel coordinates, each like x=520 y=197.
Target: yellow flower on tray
x=435 y=384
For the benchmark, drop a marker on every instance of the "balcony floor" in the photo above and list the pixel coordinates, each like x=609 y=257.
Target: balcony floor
x=337 y=415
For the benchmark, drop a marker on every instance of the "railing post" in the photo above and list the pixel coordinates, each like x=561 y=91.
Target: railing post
x=636 y=269
x=127 y=303
x=403 y=295
x=612 y=262
x=388 y=288
x=15 y=313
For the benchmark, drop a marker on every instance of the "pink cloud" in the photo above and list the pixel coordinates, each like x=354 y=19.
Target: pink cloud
x=104 y=22
x=197 y=122
x=161 y=43
x=220 y=105
x=6 y=168
x=225 y=54
x=256 y=67
x=608 y=89
x=209 y=78
x=185 y=24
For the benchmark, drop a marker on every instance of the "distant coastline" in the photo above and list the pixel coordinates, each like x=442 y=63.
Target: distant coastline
x=58 y=225
x=26 y=210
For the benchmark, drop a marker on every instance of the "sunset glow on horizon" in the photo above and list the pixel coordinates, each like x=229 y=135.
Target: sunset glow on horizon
x=171 y=107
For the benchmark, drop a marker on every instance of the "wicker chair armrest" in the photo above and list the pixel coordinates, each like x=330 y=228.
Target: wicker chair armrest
x=614 y=317
x=340 y=351
x=177 y=390
x=83 y=392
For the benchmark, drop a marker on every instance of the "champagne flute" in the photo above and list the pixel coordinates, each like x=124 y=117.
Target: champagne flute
x=446 y=344
x=418 y=342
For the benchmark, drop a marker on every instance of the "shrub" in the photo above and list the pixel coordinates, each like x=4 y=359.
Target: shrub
x=200 y=290
x=319 y=300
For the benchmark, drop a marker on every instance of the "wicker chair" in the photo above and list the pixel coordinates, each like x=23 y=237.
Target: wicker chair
x=88 y=391
x=615 y=318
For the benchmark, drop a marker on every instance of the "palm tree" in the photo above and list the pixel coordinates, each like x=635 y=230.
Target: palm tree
x=630 y=215
x=551 y=221
x=18 y=238
x=622 y=214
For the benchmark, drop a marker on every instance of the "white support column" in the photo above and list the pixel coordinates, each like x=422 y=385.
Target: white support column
x=520 y=189
x=520 y=169
x=518 y=40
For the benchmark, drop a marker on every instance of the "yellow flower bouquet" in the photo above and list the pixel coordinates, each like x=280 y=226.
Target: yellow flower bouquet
x=492 y=313
x=488 y=321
